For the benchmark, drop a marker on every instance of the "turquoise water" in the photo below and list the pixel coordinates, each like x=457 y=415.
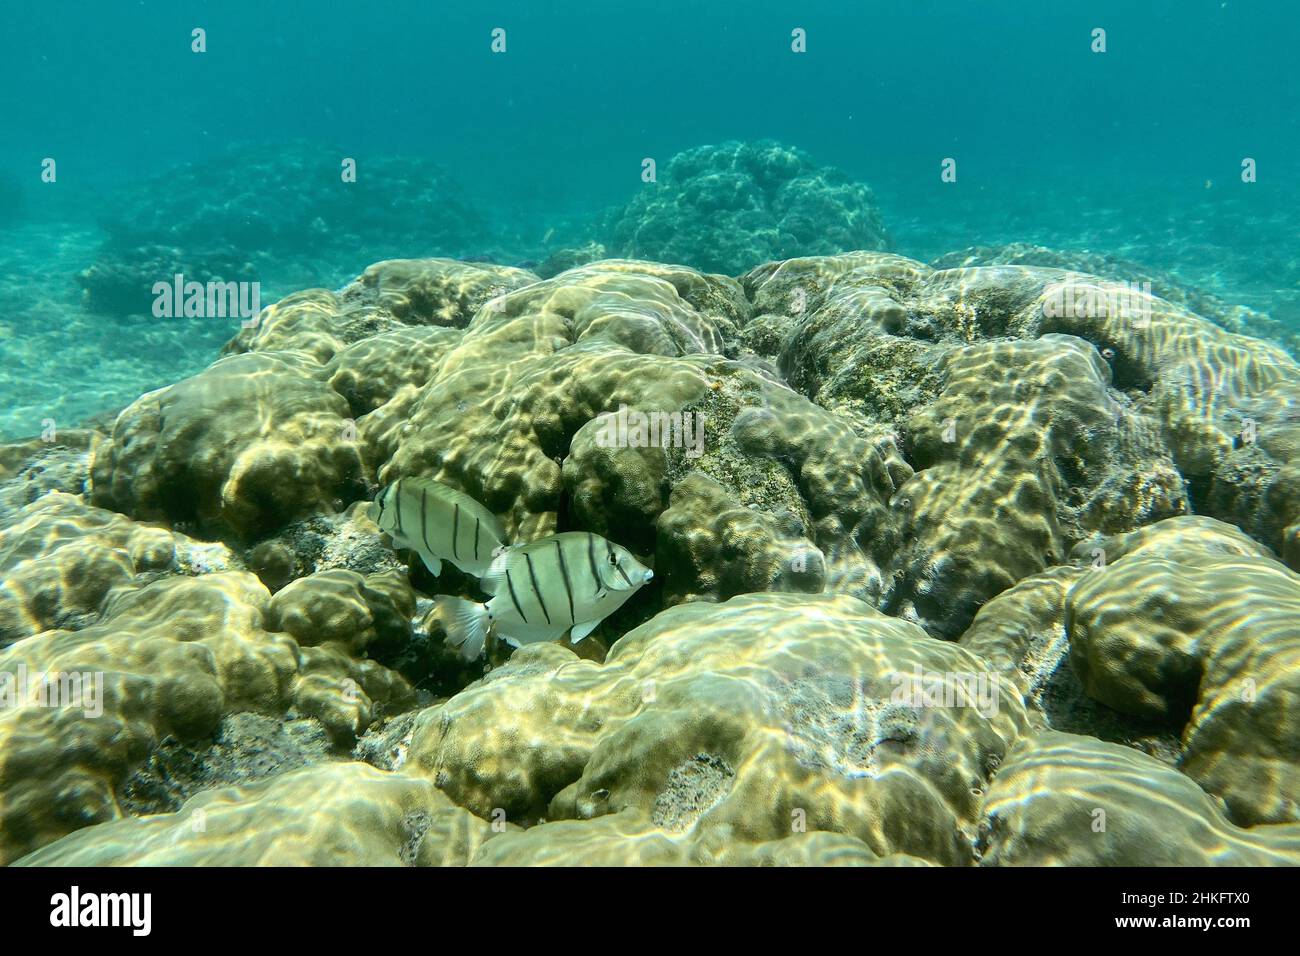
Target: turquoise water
x=1134 y=152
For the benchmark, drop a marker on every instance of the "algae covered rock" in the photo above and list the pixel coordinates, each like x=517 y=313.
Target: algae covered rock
x=1066 y=800
x=571 y=257
x=55 y=461
x=368 y=373
x=1176 y=405
x=1257 y=484
x=1178 y=639
x=167 y=659
x=245 y=748
x=529 y=372
x=1239 y=319
x=341 y=814
x=1020 y=456
x=267 y=434
x=1020 y=444
x=762 y=717
x=153 y=666
x=624 y=839
x=344 y=607
x=728 y=208
x=349 y=540
x=1171 y=288
x=440 y=292
x=60 y=559
x=1194 y=374
x=1205 y=636
x=241 y=448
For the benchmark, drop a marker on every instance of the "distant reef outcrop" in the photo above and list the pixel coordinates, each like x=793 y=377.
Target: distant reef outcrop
x=724 y=208
x=283 y=216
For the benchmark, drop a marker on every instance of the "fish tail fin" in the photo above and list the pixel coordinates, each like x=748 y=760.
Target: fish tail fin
x=466 y=624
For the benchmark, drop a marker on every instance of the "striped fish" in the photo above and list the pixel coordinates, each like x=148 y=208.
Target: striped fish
x=566 y=582
x=439 y=524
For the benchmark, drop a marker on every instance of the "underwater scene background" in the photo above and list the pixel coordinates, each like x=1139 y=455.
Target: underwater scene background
x=927 y=370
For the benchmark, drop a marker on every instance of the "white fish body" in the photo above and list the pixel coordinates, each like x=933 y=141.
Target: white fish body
x=439 y=523
x=566 y=582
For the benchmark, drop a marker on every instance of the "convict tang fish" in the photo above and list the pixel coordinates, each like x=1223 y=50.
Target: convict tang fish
x=439 y=524
x=566 y=582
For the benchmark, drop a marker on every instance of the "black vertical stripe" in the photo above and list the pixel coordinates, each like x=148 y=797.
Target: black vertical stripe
x=532 y=576
x=476 y=524
x=564 y=573
x=613 y=558
x=513 y=597
x=424 y=525
x=397 y=508
x=455 y=530
x=591 y=555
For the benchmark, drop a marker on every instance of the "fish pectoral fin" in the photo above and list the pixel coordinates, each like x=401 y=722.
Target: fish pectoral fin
x=581 y=630
x=433 y=564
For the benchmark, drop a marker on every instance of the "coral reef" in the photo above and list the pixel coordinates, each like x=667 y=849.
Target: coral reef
x=57 y=462
x=925 y=542
x=1234 y=318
